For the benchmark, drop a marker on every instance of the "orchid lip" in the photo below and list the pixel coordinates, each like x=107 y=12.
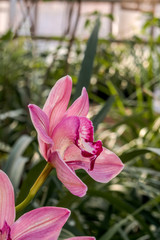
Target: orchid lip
x=5 y=232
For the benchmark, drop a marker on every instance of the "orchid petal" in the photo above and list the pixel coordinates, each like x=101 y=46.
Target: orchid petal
x=80 y=107
x=67 y=176
x=57 y=101
x=86 y=129
x=42 y=224
x=43 y=147
x=85 y=142
x=65 y=133
x=107 y=165
x=81 y=238
x=7 y=204
x=40 y=122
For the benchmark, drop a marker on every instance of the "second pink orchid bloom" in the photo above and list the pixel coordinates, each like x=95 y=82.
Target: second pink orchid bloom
x=44 y=223
x=66 y=139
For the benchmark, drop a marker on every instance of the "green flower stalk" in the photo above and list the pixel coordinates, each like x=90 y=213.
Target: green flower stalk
x=36 y=186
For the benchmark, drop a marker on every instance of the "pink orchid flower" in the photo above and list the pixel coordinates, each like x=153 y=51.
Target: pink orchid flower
x=66 y=139
x=44 y=223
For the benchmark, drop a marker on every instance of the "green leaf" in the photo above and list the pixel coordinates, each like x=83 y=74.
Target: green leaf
x=29 y=181
x=114 y=91
x=110 y=16
x=27 y=184
x=103 y=112
x=123 y=234
x=11 y=114
x=16 y=171
x=15 y=163
x=154 y=150
x=7 y=36
x=125 y=157
x=65 y=234
x=87 y=64
x=120 y=204
x=112 y=231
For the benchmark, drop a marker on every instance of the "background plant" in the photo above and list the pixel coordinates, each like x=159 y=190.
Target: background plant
x=120 y=83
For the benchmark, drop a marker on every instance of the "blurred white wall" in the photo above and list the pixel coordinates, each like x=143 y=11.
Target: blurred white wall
x=4 y=16
x=52 y=18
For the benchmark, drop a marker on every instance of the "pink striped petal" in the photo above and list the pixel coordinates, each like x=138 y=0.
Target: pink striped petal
x=107 y=165
x=57 y=101
x=43 y=147
x=81 y=238
x=7 y=204
x=42 y=224
x=67 y=176
x=40 y=122
x=80 y=107
x=65 y=133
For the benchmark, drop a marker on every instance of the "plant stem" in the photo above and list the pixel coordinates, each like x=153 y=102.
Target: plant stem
x=36 y=186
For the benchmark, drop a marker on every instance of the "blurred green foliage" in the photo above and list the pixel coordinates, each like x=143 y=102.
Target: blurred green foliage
x=121 y=92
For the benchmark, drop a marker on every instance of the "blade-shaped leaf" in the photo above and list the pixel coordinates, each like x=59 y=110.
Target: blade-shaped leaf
x=16 y=171
x=103 y=112
x=112 y=230
x=11 y=114
x=119 y=203
x=15 y=156
x=7 y=36
x=65 y=234
x=125 y=157
x=87 y=64
x=29 y=181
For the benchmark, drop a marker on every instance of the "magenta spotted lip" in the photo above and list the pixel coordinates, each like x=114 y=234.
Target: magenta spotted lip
x=66 y=139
